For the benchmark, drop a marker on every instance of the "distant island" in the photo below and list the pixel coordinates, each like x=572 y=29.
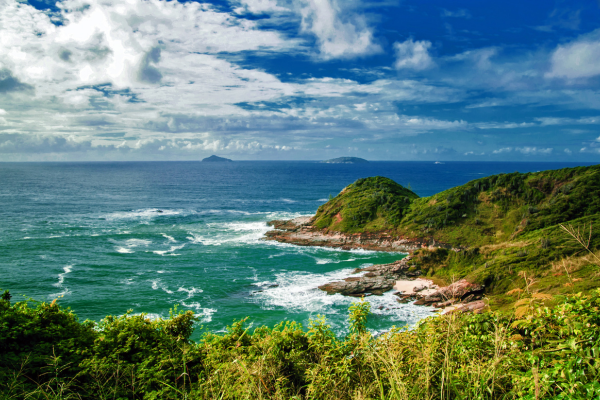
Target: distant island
x=214 y=158
x=345 y=160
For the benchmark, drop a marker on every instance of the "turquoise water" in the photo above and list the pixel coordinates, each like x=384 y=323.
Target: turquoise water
x=108 y=237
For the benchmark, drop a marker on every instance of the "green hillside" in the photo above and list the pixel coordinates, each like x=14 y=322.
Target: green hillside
x=508 y=227
x=484 y=211
x=503 y=207
x=371 y=204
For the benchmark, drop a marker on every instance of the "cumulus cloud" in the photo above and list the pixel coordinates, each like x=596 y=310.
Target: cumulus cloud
x=157 y=79
x=577 y=59
x=121 y=43
x=340 y=33
x=23 y=143
x=413 y=55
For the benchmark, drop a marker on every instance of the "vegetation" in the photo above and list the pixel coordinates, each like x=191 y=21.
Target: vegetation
x=509 y=228
x=505 y=207
x=371 y=204
x=528 y=237
x=345 y=160
x=535 y=352
x=484 y=211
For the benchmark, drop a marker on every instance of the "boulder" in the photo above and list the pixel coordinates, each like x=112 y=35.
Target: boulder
x=458 y=291
x=360 y=285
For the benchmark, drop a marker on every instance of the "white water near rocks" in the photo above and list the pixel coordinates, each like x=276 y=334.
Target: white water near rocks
x=104 y=238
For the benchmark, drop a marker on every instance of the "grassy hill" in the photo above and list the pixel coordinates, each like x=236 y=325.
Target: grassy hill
x=484 y=211
x=370 y=204
x=509 y=226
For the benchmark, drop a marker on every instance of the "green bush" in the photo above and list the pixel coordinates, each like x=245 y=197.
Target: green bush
x=536 y=352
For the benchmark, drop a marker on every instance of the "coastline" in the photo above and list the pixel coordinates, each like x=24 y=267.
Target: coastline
x=301 y=232
x=400 y=275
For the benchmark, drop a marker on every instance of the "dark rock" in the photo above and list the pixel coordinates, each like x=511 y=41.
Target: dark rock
x=360 y=285
x=377 y=280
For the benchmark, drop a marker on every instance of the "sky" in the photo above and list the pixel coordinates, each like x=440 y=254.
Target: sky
x=94 y=80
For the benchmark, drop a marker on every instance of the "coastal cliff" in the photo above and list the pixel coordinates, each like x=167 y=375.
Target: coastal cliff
x=506 y=233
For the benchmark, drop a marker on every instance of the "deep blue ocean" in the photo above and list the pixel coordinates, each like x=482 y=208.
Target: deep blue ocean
x=107 y=237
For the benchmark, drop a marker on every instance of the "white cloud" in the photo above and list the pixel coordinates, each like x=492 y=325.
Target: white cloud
x=413 y=55
x=546 y=121
x=480 y=58
x=430 y=123
x=503 y=125
x=578 y=59
x=340 y=33
x=568 y=151
x=151 y=79
x=534 y=150
x=503 y=150
x=122 y=43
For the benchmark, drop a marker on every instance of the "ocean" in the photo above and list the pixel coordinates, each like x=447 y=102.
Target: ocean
x=107 y=237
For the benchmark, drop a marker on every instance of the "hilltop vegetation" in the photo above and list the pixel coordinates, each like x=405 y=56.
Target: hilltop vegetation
x=503 y=207
x=373 y=204
x=484 y=211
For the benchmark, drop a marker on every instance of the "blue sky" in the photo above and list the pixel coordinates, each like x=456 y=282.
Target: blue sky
x=303 y=80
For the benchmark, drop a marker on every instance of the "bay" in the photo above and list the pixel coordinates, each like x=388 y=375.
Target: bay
x=109 y=237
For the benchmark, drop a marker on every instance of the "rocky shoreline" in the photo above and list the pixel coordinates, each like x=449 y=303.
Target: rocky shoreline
x=377 y=279
x=299 y=231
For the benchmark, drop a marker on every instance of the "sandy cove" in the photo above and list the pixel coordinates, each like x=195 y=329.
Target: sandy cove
x=378 y=279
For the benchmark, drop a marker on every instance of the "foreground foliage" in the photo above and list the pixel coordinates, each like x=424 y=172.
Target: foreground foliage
x=536 y=352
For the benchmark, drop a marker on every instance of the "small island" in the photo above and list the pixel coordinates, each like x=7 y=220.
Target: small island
x=346 y=160
x=214 y=158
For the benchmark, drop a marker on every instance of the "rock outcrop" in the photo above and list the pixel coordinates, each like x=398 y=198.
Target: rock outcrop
x=299 y=231
x=377 y=279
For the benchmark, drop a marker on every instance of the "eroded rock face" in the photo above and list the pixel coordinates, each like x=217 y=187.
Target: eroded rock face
x=473 y=306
